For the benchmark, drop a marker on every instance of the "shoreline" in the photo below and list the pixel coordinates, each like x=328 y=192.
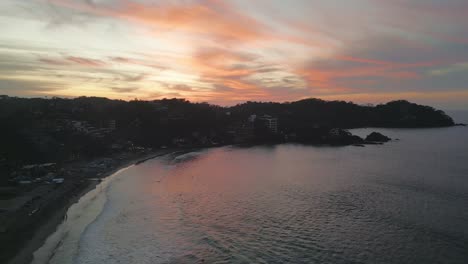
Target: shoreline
x=49 y=222
x=57 y=212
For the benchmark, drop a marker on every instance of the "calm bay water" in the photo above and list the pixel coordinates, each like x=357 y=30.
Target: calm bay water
x=403 y=202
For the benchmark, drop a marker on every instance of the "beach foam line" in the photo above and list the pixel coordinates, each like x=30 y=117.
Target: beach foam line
x=63 y=244
x=186 y=156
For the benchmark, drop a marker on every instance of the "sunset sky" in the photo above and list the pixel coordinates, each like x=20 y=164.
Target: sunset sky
x=225 y=52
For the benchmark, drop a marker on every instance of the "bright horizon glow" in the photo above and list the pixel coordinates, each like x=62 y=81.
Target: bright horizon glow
x=226 y=52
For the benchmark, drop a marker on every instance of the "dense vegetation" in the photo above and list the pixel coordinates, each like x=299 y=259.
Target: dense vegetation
x=38 y=130
x=348 y=115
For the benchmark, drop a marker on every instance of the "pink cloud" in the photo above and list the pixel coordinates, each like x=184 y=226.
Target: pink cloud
x=329 y=77
x=70 y=60
x=85 y=61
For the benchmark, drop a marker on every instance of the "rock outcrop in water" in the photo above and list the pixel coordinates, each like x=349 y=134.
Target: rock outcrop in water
x=338 y=137
x=377 y=137
x=342 y=137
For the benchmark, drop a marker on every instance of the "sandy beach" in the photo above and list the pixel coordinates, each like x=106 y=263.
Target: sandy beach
x=27 y=234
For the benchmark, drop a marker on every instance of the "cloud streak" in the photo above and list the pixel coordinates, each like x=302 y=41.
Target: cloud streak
x=85 y=61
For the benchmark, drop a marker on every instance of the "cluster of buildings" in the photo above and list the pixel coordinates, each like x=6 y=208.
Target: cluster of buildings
x=37 y=173
x=244 y=131
x=270 y=122
x=41 y=131
x=85 y=127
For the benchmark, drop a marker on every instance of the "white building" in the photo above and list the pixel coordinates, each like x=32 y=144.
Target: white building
x=270 y=122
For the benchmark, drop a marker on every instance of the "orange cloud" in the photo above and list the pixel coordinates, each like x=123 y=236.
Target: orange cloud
x=235 y=75
x=219 y=63
x=227 y=71
x=214 y=18
x=327 y=78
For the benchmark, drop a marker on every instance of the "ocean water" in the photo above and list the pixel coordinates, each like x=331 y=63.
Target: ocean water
x=402 y=202
x=459 y=116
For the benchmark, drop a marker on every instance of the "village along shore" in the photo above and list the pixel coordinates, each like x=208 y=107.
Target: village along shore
x=25 y=231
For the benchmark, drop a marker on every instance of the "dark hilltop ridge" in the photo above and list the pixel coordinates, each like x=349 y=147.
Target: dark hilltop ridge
x=57 y=129
x=38 y=130
x=53 y=150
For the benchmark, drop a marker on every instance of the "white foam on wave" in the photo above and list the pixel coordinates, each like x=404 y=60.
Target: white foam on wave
x=62 y=245
x=188 y=156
